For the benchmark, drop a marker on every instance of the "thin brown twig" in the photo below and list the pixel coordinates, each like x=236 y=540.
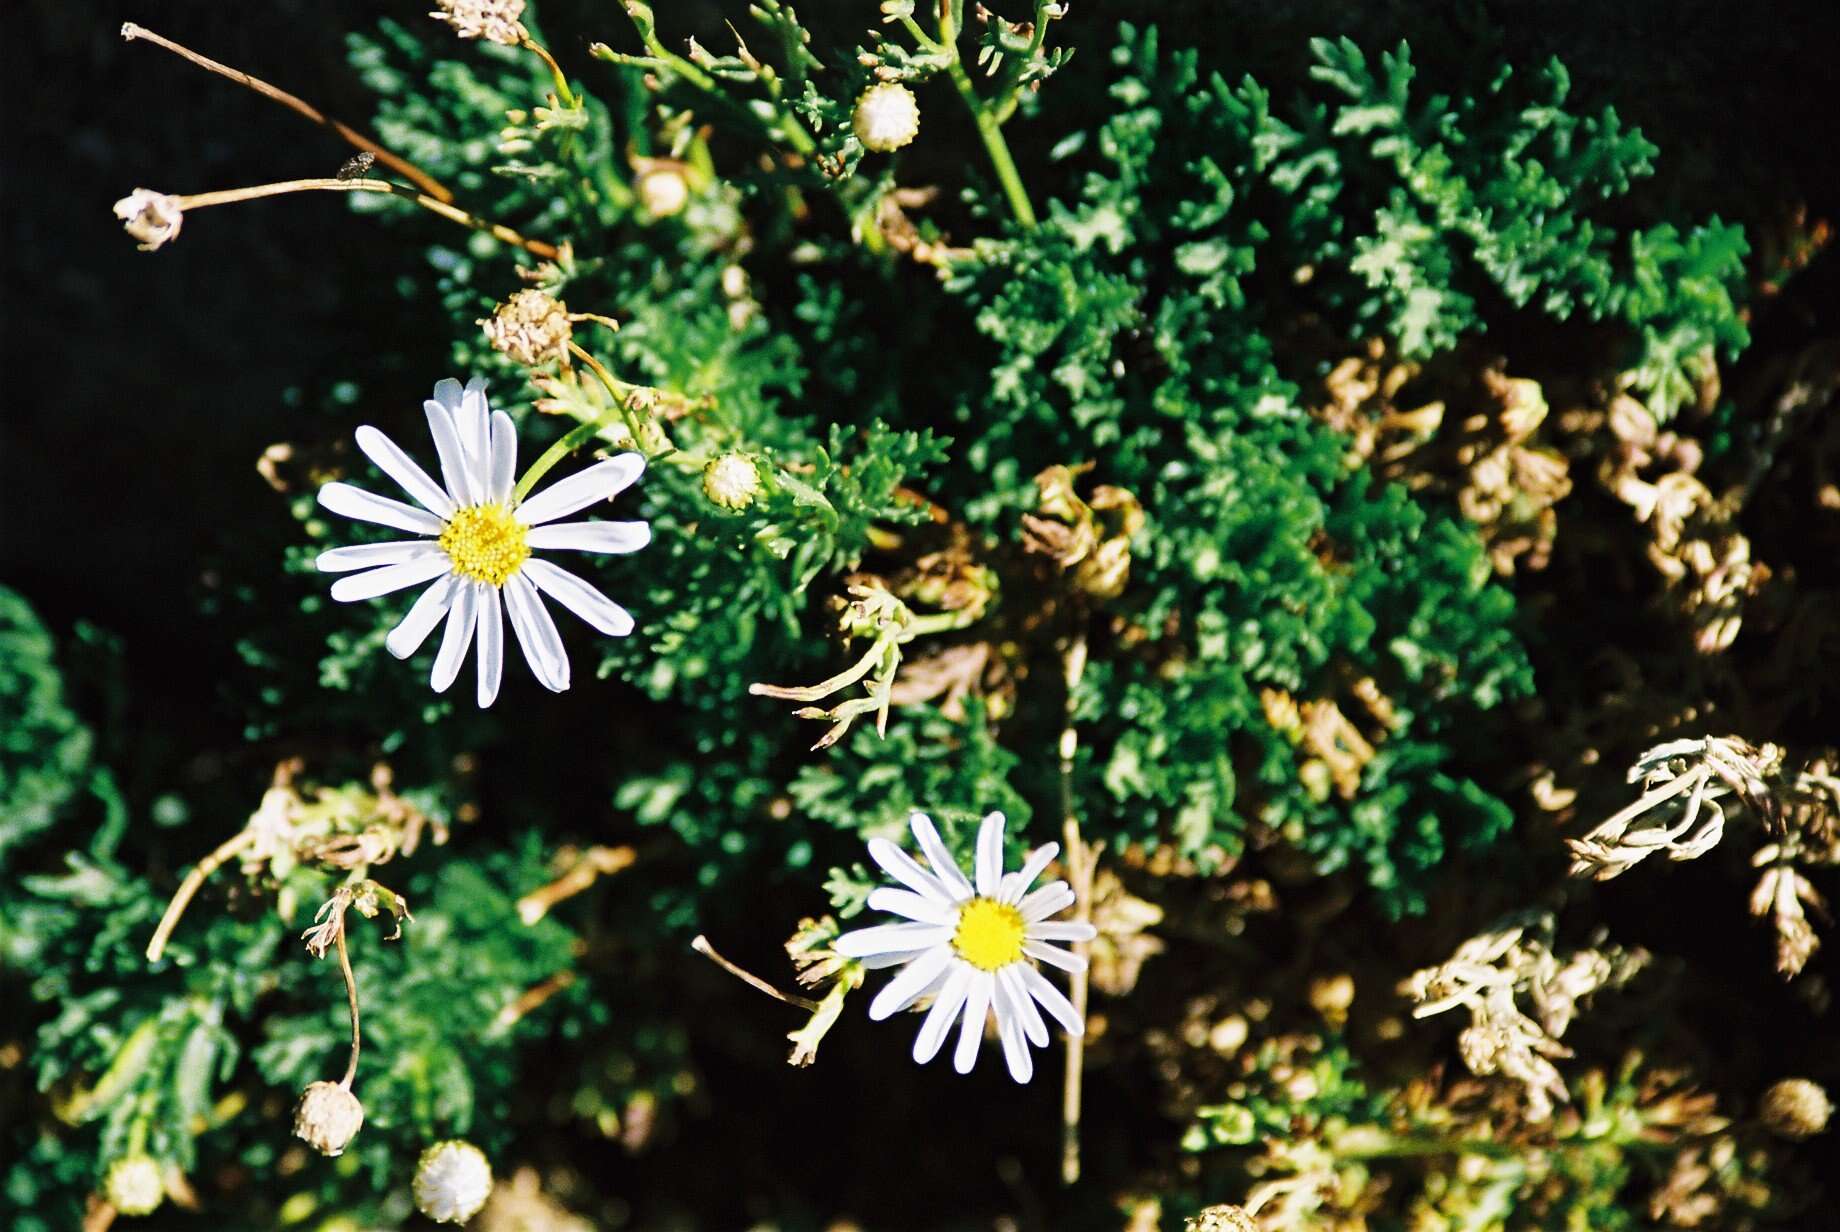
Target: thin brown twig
x=402 y=166
x=701 y=945
x=453 y=213
x=595 y=863
x=351 y=998
x=182 y=897
x=1082 y=860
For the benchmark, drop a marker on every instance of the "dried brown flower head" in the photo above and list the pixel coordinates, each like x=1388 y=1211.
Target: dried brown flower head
x=1221 y=1218
x=152 y=218
x=1795 y=1108
x=496 y=21
x=328 y=1117
x=530 y=328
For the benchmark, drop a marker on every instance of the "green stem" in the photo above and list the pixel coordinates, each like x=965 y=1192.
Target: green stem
x=576 y=438
x=990 y=128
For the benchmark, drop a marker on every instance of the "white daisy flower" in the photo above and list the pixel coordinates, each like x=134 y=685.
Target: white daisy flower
x=477 y=544
x=970 y=947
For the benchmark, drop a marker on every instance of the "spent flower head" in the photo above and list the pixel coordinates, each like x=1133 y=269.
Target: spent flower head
x=134 y=1185
x=1796 y=1108
x=887 y=117
x=496 y=21
x=478 y=543
x=530 y=328
x=972 y=945
x=453 y=1179
x=328 y=1117
x=153 y=218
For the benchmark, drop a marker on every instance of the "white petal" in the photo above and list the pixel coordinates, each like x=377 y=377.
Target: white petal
x=592 y=536
x=409 y=634
x=1021 y=1004
x=473 y=422
x=990 y=855
x=890 y=938
x=390 y=578
x=1070 y=930
x=504 y=458
x=916 y=978
x=370 y=555
x=536 y=634
x=894 y=958
x=1051 y=1000
x=944 y=867
x=599 y=482
x=943 y=1012
x=447 y=393
x=1019 y=881
x=392 y=461
x=1042 y=903
x=579 y=597
x=454 y=467
x=344 y=499
x=1015 y=1048
x=1054 y=956
x=913 y=906
x=906 y=870
x=456 y=638
x=971 y=1029
x=489 y=662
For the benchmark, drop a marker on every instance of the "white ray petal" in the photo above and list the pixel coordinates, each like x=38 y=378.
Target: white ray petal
x=1010 y=977
x=579 y=597
x=353 y=502
x=504 y=459
x=1018 y=882
x=971 y=1028
x=409 y=634
x=989 y=859
x=599 y=482
x=536 y=634
x=1015 y=1047
x=1051 y=1000
x=489 y=659
x=943 y=1012
x=1042 y=903
x=944 y=867
x=915 y=979
x=906 y=870
x=456 y=638
x=392 y=461
x=890 y=938
x=370 y=555
x=610 y=537
x=447 y=393
x=455 y=468
x=1068 y=930
x=389 y=578
x=473 y=422
x=913 y=906
x=1054 y=956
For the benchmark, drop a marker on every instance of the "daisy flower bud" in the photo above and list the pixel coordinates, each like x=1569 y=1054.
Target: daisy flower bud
x=887 y=117
x=452 y=1181
x=1222 y=1218
x=731 y=481
x=496 y=21
x=152 y=218
x=530 y=328
x=134 y=1185
x=1795 y=1108
x=328 y=1117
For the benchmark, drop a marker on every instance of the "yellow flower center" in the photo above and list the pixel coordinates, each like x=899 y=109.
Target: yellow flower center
x=485 y=542
x=989 y=934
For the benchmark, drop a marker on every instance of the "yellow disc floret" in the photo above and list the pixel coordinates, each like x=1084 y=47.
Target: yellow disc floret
x=485 y=542
x=989 y=934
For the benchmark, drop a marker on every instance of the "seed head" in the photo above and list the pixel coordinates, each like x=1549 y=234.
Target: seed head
x=328 y=1117
x=887 y=117
x=452 y=1181
x=1222 y=1218
x=496 y=21
x=531 y=328
x=134 y=1185
x=152 y=218
x=1795 y=1108
x=663 y=188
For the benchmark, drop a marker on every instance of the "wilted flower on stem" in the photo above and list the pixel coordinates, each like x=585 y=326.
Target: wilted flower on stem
x=496 y=21
x=151 y=217
x=328 y=1117
x=530 y=328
